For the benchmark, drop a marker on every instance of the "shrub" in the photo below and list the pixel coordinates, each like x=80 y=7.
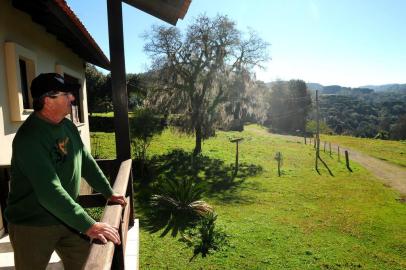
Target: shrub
x=311 y=126
x=144 y=125
x=205 y=238
x=177 y=206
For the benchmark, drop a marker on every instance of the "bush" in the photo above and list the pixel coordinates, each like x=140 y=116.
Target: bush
x=144 y=125
x=205 y=238
x=311 y=126
x=177 y=206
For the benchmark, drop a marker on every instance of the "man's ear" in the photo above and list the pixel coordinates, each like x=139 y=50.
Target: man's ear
x=47 y=101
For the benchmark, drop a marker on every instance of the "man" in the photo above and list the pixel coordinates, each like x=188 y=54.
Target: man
x=48 y=161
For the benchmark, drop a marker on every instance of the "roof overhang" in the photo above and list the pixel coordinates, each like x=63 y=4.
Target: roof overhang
x=59 y=20
x=169 y=11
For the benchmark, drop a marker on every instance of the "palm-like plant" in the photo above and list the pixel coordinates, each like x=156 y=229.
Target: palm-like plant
x=177 y=206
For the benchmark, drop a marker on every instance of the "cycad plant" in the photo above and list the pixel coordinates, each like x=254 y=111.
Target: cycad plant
x=177 y=206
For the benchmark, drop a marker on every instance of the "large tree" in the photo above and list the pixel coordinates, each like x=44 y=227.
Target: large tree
x=290 y=103
x=194 y=72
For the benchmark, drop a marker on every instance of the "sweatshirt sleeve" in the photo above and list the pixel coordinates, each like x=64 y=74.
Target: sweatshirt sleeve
x=94 y=175
x=46 y=184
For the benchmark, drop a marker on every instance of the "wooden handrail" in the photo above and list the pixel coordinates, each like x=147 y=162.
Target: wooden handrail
x=101 y=255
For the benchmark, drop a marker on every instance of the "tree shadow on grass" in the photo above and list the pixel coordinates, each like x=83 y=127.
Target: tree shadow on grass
x=214 y=174
x=219 y=180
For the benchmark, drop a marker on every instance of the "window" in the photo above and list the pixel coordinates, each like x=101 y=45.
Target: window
x=20 y=71
x=26 y=95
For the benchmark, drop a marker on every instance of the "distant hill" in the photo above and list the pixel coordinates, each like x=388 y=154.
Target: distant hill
x=310 y=86
x=341 y=90
x=314 y=86
x=388 y=87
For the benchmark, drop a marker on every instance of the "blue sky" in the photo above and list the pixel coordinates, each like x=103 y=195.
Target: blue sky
x=345 y=42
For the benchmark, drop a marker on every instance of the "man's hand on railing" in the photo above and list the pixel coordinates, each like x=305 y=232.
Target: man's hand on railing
x=119 y=199
x=103 y=232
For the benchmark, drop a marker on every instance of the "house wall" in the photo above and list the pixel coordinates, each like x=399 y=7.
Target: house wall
x=51 y=56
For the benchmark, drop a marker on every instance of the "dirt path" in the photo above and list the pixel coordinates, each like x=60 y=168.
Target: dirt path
x=392 y=175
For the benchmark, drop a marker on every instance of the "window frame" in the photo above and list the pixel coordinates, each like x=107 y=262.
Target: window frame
x=13 y=54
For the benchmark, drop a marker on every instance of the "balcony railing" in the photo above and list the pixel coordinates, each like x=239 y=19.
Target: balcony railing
x=102 y=256
x=110 y=256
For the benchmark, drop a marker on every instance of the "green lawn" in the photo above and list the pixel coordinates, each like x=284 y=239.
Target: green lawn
x=391 y=151
x=301 y=220
x=110 y=114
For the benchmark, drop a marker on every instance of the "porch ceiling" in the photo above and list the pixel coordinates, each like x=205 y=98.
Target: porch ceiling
x=166 y=10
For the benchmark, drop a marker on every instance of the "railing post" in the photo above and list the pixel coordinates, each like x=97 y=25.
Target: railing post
x=118 y=79
x=130 y=194
x=109 y=256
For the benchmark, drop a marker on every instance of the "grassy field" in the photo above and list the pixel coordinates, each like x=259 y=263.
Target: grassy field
x=301 y=220
x=391 y=151
x=110 y=114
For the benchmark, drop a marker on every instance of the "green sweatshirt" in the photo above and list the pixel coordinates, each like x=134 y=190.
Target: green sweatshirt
x=47 y=164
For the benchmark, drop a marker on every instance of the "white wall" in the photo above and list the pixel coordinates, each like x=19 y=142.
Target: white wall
x=17 y=26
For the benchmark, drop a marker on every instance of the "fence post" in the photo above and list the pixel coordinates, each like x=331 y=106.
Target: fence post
x=347 y=161
x=236 y=141
x=278 y=158
x=329 y=145
x=338 y=151
x=324 y=149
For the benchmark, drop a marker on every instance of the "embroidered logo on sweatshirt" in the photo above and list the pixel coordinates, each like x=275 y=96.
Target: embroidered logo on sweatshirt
x=61 y=149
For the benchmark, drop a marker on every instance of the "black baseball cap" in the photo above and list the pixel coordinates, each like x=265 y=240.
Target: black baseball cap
x=50 y=82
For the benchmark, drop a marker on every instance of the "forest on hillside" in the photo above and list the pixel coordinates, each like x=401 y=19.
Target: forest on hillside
x=372 y=115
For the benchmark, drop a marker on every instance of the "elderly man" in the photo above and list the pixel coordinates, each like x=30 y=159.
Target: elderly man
x=48 y=161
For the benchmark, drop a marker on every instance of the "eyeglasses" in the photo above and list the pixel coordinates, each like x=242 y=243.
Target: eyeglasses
x=61 y=94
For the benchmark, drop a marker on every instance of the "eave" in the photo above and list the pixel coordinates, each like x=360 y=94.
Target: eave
x=169 y=11
x=59 y=20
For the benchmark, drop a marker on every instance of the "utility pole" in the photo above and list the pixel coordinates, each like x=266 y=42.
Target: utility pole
x=317 y=143
x=318 y=138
